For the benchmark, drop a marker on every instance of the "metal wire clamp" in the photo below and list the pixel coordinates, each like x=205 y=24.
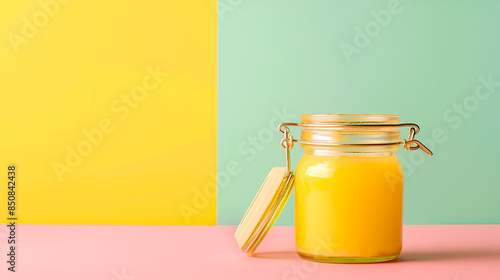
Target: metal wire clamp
x=288 y=141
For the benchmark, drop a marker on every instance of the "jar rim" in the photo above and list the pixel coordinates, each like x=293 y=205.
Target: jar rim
x=349 y=119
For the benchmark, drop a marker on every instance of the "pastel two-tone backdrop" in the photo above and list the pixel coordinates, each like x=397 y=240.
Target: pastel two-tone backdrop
x=165 y=112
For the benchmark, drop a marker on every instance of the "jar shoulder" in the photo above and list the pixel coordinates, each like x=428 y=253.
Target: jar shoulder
x=325 y=165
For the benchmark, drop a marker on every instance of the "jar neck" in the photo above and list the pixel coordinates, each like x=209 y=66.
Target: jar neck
x=356 y=135
x=356 y=152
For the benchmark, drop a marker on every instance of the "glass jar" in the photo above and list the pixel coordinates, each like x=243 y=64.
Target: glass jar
x=348 y=189
x=349 y=199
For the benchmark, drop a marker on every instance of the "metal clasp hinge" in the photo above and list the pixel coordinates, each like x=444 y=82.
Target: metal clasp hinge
x=408 y=144
x=288 y=141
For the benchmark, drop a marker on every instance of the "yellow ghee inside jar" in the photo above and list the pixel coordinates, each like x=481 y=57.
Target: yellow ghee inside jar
x=348 y=200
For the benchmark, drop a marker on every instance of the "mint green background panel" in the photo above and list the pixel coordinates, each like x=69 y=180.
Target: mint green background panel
x=435 y=63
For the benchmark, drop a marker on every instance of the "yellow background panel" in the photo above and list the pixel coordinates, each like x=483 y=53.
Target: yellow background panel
x=101 y=104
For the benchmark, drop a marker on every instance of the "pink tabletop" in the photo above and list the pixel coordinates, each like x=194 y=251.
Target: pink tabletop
x=445 y=252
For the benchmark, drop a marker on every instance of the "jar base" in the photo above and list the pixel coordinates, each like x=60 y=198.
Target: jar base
x=330 y=259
